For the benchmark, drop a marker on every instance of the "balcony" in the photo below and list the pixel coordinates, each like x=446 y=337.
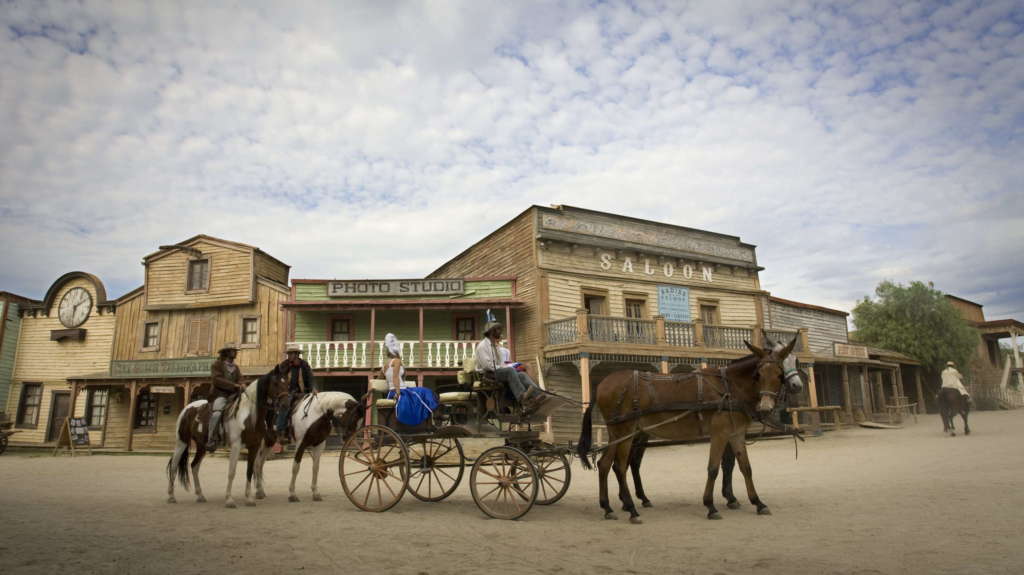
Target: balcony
x=585 y=328
x=446 y=354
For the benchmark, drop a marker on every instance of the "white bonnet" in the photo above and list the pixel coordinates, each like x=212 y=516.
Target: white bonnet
x=394 y=346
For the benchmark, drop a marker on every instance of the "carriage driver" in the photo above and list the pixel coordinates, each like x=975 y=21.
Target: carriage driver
x=297 y=367
x=226 y=381
x=489 y=359
x=952 y=379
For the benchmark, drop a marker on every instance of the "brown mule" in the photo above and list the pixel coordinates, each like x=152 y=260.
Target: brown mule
x=720 y=403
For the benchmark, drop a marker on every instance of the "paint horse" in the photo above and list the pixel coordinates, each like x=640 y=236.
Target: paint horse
x=632 y=403
x=244 y=421
x=793 y=384
x=312 y=418
x=952 y=402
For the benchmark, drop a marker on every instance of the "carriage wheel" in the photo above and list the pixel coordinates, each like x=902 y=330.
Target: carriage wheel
x=436 y=467
x=374 y=468
x=553 y=477
x=503 y=482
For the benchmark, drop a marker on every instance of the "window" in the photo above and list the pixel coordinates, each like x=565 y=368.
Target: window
x=465 y=329
x=28 y=407
x=250 y=331
x=595 y=303
x=199 y=341
x=709 y=313
x=341 y=329
x=96 y=407
x=145 y=410
x=635 y=308
x=198 y=275
x=151 y=336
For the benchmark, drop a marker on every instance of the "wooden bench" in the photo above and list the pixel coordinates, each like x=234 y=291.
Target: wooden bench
x=835 y=410
x=900 y=404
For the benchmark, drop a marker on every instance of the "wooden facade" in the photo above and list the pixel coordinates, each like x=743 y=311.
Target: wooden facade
x=145 y=355
x=592 y=282
x=988 y=370
x=10 y=328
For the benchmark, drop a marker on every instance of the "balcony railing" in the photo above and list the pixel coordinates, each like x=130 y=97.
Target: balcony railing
x=443 y=354
x=606 y=329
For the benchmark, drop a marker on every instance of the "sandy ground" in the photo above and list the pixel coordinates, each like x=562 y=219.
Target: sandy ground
x=857 y=501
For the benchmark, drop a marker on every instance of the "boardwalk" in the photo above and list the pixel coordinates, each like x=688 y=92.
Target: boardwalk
x=860 y=501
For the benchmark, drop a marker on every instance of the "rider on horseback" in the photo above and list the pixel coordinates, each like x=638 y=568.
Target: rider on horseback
x=226 y=382
x=298 y=368
x=952 y=379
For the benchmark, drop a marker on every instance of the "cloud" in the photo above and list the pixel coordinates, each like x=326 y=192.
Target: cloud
x=852 y=142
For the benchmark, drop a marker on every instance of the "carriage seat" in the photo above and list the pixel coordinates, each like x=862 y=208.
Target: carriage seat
x=470 y=383
x=380 y=389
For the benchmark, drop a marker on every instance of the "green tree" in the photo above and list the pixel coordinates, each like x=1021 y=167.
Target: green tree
x=916 y=320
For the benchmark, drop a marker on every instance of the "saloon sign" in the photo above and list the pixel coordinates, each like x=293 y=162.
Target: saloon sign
x=645 y=266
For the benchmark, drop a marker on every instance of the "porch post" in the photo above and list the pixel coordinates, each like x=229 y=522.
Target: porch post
x=698 y=332
x=659 y=330
x=812 y=396
x=865 y=391
x=134 y=388
x=582 y=325
x=585 y=377
x=510 y=335
x=1016 y=357
x=372 y=360
x=188 y=393
x=847 y=402
x=419 y=359
x=805 y=344
x=74 y=399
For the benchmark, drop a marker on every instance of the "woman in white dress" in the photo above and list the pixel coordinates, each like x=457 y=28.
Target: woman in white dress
x=393 y=370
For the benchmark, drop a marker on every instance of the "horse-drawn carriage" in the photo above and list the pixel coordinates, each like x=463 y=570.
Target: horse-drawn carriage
x=382 y=461
x=5 y=431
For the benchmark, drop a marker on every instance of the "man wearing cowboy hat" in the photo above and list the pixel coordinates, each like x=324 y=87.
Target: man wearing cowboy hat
x=952 y=379
x=225 y=382
x=299 y=368
x=489 y=359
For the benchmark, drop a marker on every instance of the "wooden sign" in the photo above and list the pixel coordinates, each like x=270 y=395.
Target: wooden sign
x=850 y=350
x=167 y=389
x=176 y=367
x=74 y=433
x=400 y=288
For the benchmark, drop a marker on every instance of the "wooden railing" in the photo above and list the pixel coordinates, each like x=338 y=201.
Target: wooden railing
x=679 y=334
x=562 y=331
x=727 y=337
x=442 y=354
x=621 y=329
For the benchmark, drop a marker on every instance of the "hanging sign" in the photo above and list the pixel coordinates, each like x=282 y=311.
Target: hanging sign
x=363 y=288
x=674 y=303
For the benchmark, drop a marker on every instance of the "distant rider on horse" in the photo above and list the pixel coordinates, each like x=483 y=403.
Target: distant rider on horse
x=299 y=369
x=226 y=382
x=952 y=379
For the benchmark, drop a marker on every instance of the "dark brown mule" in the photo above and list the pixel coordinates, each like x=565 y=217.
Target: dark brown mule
x=952 y=402
x=716 y=402
x=245 y=422
x=793 y=383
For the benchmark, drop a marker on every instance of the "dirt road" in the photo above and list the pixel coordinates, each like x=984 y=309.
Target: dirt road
x=857 y=501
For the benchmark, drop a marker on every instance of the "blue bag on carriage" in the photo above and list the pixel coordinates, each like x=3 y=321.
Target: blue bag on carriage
x=415 y=405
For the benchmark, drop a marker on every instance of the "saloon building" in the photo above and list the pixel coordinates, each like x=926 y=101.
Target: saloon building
x=10 y=328
x=602 y=292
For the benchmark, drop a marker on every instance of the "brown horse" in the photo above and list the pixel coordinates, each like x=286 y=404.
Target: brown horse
x=952 y=402
x=716 y=402
x=245 y=422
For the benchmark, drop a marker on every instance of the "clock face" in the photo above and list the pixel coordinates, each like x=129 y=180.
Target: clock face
x=75 y=307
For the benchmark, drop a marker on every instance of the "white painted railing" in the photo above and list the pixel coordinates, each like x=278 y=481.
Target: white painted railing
x=361 y=355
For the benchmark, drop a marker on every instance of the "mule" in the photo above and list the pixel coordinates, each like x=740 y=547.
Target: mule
x=244 y=421
x=793 y=380
x=312 y=418
x=952 y=402
x=631 y=402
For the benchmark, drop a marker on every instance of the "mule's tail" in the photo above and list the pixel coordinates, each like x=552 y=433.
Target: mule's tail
x=315 y=431
x=181 y=452
x=586 y=439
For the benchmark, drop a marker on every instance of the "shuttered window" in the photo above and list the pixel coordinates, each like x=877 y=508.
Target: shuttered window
x=465 y=329
x=97 y=407
x=198 y=275
x=151 y=335
x=200 y=332
x=28 y=407
x=250 y=330
x=145 y=410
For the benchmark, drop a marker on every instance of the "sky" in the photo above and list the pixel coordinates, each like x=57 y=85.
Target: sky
x=851 y=142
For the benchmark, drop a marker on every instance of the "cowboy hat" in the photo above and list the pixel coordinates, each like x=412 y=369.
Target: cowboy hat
x=491 y=325
x=951 y=364
x=227 y=346
x=293 y=349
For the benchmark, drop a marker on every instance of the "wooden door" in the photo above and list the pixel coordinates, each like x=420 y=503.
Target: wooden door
x=59 y=409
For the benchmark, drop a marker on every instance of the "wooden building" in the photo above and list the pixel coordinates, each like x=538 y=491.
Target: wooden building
x=603 y=291
x=68 y=333
x=10 y=328
x=149 y=352
x=862 y=380
x=990 y=374
x=340 y=325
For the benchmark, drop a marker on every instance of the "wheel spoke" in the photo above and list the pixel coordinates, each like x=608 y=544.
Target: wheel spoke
x=440 y=470
x=484 y=496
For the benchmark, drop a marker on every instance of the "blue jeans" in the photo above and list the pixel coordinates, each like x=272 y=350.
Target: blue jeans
x=283 y=411
x=517 y=381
